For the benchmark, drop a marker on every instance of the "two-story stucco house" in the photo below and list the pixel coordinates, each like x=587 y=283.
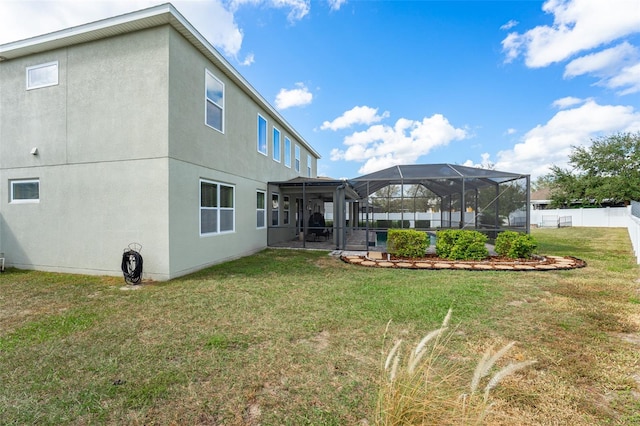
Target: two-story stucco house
x=135 y=129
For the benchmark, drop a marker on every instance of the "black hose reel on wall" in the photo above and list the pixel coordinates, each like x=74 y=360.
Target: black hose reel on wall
x=132 y=263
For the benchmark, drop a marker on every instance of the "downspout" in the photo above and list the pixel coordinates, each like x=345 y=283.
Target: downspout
x=402 y=203
x=462 y=206
x=304 y=221
x=366 y=228
x=475 y=213
x=342 y=232
x=497 y=218
x=528 y=207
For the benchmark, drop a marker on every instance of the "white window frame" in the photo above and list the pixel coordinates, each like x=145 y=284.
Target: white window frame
x=309 y=166
x=266 y=135
x=14 y=182
x=287 y=152
x=217 y=208
x=297 y=149
x=275 y=209
x=276 y=145
x=208 y=100
x=286 y=209
x=32 y=68
x=261 y=211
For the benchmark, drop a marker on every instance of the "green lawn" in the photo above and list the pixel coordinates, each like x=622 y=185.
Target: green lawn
x=290 y=337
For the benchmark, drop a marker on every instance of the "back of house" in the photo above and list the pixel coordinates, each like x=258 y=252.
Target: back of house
x=135 y=129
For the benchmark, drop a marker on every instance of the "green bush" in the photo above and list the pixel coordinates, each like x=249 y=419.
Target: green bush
x=407 y=243
x=515 y=245
x=461 y=244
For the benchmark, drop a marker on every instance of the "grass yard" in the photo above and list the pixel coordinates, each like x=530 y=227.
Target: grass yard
x=296 y=338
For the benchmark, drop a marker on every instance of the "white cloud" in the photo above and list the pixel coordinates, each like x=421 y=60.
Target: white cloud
x=485 y=163
x=382 y=146
x=299 y=96
x=551 y=143
x=357 y=115
x=512 y=23
x=584 y=26
x=601 y=61
x=248 y=60
x=511 y=131
x=578 y=25
x=336 y=4
x=629 y=77
x=617 y=67
x=567 y=102
x=298 y=9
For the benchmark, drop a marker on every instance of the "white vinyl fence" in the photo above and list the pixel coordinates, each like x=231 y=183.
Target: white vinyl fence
x=612 y=217
x=634 y=228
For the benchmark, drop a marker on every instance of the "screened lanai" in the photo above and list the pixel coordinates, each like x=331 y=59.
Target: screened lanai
x=425 y=197
x=435 y=196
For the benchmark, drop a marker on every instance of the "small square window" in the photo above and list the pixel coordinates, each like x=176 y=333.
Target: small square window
x=42 y=75
x=25 y=191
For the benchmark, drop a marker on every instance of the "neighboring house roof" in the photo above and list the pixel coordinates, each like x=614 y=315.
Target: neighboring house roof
x=541 y=196
x=135 y=21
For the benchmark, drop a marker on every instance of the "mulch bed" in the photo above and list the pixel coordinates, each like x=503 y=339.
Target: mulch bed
x=492 y=263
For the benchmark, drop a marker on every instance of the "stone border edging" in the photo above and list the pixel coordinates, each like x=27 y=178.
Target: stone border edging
x=546 y=263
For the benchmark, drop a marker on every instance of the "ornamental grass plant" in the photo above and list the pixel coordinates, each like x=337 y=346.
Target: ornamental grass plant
x=426 y=385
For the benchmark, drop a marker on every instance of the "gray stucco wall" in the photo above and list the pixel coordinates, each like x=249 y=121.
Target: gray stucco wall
x=230 y=157
x=101 y=135
x=122 y=147
x=235 y=150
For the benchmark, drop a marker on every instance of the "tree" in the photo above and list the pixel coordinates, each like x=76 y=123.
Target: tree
x=607 y=171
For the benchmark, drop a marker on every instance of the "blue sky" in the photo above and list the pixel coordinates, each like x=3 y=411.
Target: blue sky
x=371 y=84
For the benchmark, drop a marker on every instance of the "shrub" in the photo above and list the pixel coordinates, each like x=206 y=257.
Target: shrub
x=515 y=245
x=407 y=243
x=461 y=244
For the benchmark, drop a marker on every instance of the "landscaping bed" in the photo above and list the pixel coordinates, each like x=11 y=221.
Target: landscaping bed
x=494 y=263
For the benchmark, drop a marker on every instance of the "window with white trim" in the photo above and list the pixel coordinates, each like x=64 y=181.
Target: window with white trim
x=275 y=209
x=276 y=145
x=297 y=159
x=261 y=209
x=214 y=102
x=24 y=191
x=262 y=135
x=42 y=75
x=308 y=166
x=217 y=208
x=286 y=208
x=287 y=152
